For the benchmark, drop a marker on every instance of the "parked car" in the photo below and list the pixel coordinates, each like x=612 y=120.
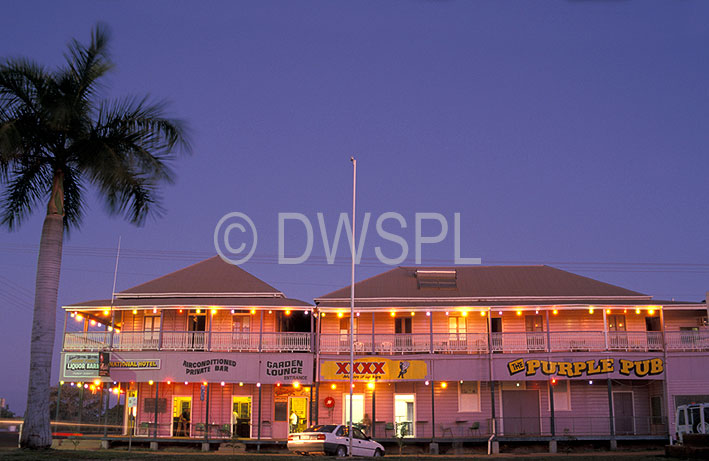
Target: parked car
x=333 y=439
x=692 y=419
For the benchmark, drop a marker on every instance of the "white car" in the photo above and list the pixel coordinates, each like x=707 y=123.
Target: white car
x=692 y=419
x=332 y=439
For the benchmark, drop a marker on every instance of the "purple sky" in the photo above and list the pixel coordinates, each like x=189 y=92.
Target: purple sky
x=563 y=131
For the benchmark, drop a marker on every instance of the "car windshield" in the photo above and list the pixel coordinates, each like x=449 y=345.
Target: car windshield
x=321 y=428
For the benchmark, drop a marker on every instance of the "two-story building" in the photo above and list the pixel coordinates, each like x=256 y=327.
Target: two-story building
x=441 y=353
x=519 y=351
x=209 y=350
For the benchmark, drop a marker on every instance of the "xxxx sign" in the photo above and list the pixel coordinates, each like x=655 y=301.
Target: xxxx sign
x=375 y=369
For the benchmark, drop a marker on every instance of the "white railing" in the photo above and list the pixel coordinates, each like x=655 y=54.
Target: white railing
x=472 y=343
x=286 y=342
x=578 y=341
x=635 y=340
x=694 y=340
x=136 y=340
x=234 y=341
x=87 y=341
x=184 y=341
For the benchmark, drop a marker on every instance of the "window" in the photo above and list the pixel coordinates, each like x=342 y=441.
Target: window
x=562 y=396
x=402 y=325
x=533 y=323
x=468 y=396
x=404 y=415
x=437 y=279
x=151 y=329
x=280 y=412
x=616 y=322
x=457 y=325
x=345 y=325
x=240 y=323
x=357 y=408
x=656 y=409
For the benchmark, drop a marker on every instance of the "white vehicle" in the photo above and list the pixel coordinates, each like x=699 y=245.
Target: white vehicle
x=692 y=419
x=332 y=439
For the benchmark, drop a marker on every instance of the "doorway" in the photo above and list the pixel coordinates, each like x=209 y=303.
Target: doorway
x=181 y=416
x=623 y=413
x=404 y=417
x=403 y=338
x=241 y=417
x=496 y=333
x=297 y=414
x=520 y=412
x=357 y=408
x=197 y=326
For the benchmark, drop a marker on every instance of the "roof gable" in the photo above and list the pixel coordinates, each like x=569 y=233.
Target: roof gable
x=212 y=277
x=485 y=282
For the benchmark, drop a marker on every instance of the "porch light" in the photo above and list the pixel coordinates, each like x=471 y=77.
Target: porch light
x=78 y=317
x=105 y=312
x=353 y=386
x=135 y=311
x=169 y=382
x=99 y=324
x=340 y=315
x=258 y=384
x=116 y=390
x=232 y=311
x=590 y=311
x=322 y=314
x=482 y=313
x=519 y=312
x=72 y=315
x=180 y=311
x=499 y=312
x=306 y=312
x=86 y=386
x=608 y=311
x=214 y=311
x=97 y=381
x=333 y=386
x=637 y=311
x=278 y=384
x=370 y=385
x=413 y=313
x=464 y=313
x=241 y=384
x=253 y=311
x=110 y=328
x=287 y=312
x=553 y=381
x=296 y=385
x=625 y=311
x=446 y=313
x=118 y=330
x=222 y=383
x=517 y=384
x=428 y=313
x=555 y=312
x=590 y=381
x=186 y=383
x=357 y=314
x=61 y=383
x=198 y=311
x=150 y=382
x=155 y=310
x=651 y=311
x=393 y=314
x=270 y=312
x=536 y=311
x=71 y=384
x=461 y=381
x=92 y=387
x=93 y=322
x=444 y=385
x=204 y=383
x=426 y=383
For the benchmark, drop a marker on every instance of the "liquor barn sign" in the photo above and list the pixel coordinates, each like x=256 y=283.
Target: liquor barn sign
x=577 y=369
x=85 y=365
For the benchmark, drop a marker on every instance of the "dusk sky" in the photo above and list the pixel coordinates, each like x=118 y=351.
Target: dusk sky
x=568 y=133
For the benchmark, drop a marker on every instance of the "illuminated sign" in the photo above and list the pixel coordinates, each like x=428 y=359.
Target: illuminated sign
x=375 y=369
x=639 y=368
x=143 y=364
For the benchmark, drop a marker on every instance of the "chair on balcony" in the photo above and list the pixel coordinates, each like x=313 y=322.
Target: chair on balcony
x=199 y=428
x=475 y=428
x=445 y=429
x=388 y=427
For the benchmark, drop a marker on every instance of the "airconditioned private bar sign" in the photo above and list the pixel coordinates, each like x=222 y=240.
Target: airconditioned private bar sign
x=639 y=368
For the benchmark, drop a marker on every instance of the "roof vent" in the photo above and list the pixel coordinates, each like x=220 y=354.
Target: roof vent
x=439 y=279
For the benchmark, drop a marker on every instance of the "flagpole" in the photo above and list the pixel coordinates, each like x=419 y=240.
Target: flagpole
x=352 y=281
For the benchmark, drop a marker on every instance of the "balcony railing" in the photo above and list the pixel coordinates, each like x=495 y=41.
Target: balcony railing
x=188 y=341
x=406 y=343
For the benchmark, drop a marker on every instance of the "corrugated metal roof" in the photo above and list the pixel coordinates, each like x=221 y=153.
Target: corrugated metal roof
x=486 y=283
x=212 y=276
x=191 y=302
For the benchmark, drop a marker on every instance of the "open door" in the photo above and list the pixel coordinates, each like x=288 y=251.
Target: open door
x=241 y=417
x=181 y=416
x=297 y=414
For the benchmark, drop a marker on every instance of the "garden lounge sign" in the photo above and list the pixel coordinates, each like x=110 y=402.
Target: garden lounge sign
x=638 y=368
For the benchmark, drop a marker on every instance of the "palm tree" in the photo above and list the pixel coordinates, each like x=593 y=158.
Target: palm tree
x=57 y=137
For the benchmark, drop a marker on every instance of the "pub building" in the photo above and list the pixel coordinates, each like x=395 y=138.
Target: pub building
x=210 y=349
x=515 y=351
x=445 y=353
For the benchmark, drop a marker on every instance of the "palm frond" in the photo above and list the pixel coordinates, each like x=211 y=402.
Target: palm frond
x=29 y=183
x=86 y=64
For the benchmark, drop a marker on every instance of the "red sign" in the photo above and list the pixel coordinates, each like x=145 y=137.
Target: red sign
x=361 y=368
x=329 y=402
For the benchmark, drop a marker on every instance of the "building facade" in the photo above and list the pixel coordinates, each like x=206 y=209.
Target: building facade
x=440 y=353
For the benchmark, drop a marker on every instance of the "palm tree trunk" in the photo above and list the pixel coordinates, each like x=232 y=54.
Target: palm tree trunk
x=36 y=432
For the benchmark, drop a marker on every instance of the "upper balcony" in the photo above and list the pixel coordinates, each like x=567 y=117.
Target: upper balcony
x=188 y=341
x=479 y=343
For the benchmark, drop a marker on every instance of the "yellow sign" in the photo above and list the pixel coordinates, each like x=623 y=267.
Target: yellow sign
x=375 y=369
x=625 y=367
